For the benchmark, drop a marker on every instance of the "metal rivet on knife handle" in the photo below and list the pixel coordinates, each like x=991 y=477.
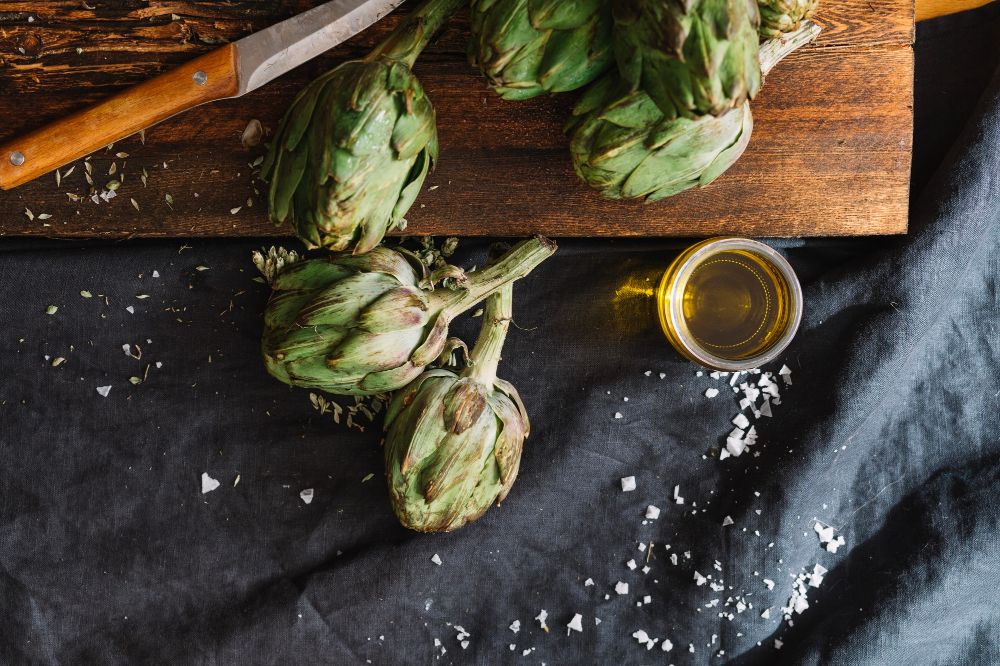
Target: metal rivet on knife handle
x=17 y=158
x=200 y=77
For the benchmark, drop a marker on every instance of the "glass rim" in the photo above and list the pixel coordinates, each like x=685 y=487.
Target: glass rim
x=674 y=306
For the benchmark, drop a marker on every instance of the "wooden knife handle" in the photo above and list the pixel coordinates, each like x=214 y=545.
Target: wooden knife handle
x=208 y=78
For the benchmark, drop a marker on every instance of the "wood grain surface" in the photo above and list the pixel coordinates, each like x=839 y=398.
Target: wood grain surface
x=830 y=153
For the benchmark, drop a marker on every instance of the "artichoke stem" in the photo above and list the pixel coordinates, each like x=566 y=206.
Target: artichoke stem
x=514 y=265
x=774 y=51
x=485 y=355
x=413 y=35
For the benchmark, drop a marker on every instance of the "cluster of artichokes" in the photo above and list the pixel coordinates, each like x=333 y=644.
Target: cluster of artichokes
x=666 y=86
x=374 y=323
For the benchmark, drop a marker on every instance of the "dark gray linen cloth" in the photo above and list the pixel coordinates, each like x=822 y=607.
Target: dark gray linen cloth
x=111 y=554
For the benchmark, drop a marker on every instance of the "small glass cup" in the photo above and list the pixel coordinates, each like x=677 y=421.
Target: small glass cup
x=730 y=304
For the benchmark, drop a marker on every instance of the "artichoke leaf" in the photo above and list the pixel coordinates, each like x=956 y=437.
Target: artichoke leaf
x=403 y=307
x=344 y=301
x=465 y=405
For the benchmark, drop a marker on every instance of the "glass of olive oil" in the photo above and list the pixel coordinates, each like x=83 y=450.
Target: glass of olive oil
x=730 y=304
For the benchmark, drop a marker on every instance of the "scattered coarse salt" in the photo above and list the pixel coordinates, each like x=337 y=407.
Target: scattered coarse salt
x=130 y=309
x=576 y=624
x=677 y=495
x=769 y=583
x=645 y=639
x=711 y=393
x=641 y=547
x=741 y=421
x=727 y=521
x=628 y=484
x=766 y=614
x=156 y=274
x=103 y=391
x=765 y=408
x=652 y=512
x=541 y=617
x=631 y=565
x=436 y=559
x=647 y=599
x=816 y=577
x=307 y=495
x=827 y=538
x=208 y=484
x=673 y=559
x=588 y=583
x=699 y=579
x=621 y=588
x=618 y=415
x=515 y=626
x=734 y=447
x=663 y=375
x=786 y=374
x=666 y=645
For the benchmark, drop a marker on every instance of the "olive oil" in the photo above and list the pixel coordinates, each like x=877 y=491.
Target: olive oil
x=730 y=303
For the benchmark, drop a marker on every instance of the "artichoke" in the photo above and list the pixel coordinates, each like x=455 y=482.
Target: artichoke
x=625 y=147
x=354 y=148
x=369 y=324
x=778 y=17
x=529 y=47
x=454 y=442
x=693 y=57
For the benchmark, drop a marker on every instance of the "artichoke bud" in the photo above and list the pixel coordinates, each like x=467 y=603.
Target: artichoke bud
x=529 y=47
x=693 y=57
x=454 y=441
x=353 y=149
x=778 y=17
x=624 y=146
x=364 y=325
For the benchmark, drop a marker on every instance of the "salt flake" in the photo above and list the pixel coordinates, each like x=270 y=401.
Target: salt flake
x=628 y=484
x=208 y=484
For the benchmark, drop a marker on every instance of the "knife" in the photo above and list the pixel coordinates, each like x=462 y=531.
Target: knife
x=231 y=71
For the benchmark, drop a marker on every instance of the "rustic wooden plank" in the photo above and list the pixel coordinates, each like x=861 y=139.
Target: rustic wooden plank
x=830 y=155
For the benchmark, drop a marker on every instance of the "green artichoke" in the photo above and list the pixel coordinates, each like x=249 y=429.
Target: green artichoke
x=453 y=443
x=529 y=47
x=625 y=147
x=693 y=57
x=778 y=17
x=369 y=324
x=354 y=148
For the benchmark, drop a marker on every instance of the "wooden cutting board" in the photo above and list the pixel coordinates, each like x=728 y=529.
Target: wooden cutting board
x=830 y=154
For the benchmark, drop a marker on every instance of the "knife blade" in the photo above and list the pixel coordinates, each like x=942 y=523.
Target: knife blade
x=231 y=71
